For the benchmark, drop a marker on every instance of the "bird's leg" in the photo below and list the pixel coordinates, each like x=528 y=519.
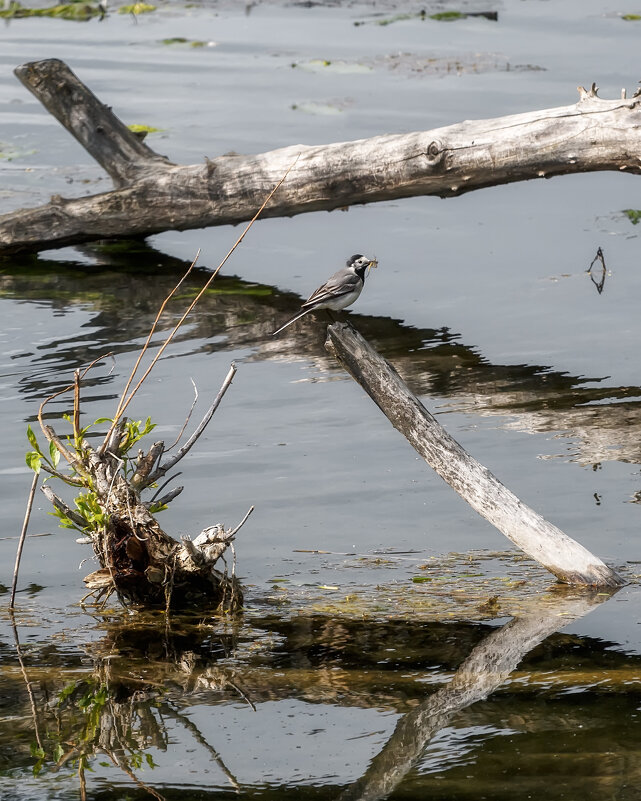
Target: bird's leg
x=330 y=315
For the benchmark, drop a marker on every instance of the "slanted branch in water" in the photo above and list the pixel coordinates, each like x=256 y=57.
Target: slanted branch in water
x=569 y=561
x=152 y=195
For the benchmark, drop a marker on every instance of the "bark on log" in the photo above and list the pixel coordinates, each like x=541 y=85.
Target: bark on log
x=153 y=195
x=569 y=561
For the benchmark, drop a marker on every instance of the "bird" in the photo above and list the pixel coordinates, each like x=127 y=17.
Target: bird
x=339 y=291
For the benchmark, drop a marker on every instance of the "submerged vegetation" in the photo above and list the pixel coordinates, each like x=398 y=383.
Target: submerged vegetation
x=79 y=11
x=634 y=215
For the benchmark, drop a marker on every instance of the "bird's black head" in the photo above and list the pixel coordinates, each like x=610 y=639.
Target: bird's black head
x=360 y=264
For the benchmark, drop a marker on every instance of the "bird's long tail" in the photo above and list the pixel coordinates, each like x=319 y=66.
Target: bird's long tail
x=293 y=320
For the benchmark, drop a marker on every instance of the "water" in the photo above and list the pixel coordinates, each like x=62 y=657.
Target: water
x=483 y=304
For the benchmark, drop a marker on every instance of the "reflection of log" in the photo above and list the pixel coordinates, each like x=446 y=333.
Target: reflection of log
x=489 y=664
x=564 y=557
x=153 y=195
x=603 y=419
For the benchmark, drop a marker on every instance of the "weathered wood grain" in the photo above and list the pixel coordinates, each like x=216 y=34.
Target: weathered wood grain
x=569 y=561
x=122 y=154
x=152 y=195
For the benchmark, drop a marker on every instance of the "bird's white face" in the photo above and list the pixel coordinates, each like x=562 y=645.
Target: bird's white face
x=360 y=263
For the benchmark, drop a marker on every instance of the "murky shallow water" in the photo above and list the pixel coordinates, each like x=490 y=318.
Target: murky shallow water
x=483 y=304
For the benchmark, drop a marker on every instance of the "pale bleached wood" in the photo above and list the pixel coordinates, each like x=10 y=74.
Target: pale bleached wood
x=121 y=153
x=155 y=196
x=569 y=561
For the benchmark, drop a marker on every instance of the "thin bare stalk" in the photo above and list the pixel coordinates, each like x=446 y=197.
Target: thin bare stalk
x=188 y=418
x=23 y=534
x=76 y=403
x=152 y=330
x=46 y=430
x=123 y=405
x=162 y=469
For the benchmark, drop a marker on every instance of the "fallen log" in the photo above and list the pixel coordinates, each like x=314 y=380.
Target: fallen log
x=569 y=561
x=153 y=195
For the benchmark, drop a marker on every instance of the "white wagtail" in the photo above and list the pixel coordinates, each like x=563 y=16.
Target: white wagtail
x=338 y=292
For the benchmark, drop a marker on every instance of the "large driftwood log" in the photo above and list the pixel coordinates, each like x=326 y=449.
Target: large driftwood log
x=153 y=195
x=569 y=561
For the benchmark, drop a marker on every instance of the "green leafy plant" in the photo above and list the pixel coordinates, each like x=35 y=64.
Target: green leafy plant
x=634 y=215
x=89 y=510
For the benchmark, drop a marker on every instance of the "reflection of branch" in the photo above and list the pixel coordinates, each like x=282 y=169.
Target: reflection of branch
x=489 y=664
x=599 y=283
x=135 y=778
x=199 y=737
x=32 y=700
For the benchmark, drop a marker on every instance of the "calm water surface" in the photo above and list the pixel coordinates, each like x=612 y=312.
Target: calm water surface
x=344 y=678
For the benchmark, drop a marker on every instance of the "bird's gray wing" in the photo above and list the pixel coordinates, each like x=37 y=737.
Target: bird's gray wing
x=341 y=283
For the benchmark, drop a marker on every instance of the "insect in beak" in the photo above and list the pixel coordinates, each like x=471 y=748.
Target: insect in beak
x=373 y=263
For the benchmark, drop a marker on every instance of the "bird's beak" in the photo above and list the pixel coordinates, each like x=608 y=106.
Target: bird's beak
x=373 y=263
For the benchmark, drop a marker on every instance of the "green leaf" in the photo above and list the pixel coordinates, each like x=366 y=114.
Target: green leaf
x=421 y=579
x=103 y=420
x=55 y=454
x=32 y=439
x=33 y=460
x=36 y=751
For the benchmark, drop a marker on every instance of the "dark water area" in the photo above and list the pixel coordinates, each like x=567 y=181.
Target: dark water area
x=391 y=644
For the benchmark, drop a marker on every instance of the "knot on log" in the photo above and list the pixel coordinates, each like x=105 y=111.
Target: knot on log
x=435 y=152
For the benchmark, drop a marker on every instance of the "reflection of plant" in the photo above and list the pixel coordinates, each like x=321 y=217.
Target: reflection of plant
x=86 y=720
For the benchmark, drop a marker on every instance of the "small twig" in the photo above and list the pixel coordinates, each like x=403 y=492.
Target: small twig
x=121 y=402
x=164 y=484
x=240 y=525
x=73 y=482
x=162 y=469
x=76 y=403
x=70 y=387
x=23 y=534
x=76 y=518
x=166 y=499
x=29 y=536
x=182 y=430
